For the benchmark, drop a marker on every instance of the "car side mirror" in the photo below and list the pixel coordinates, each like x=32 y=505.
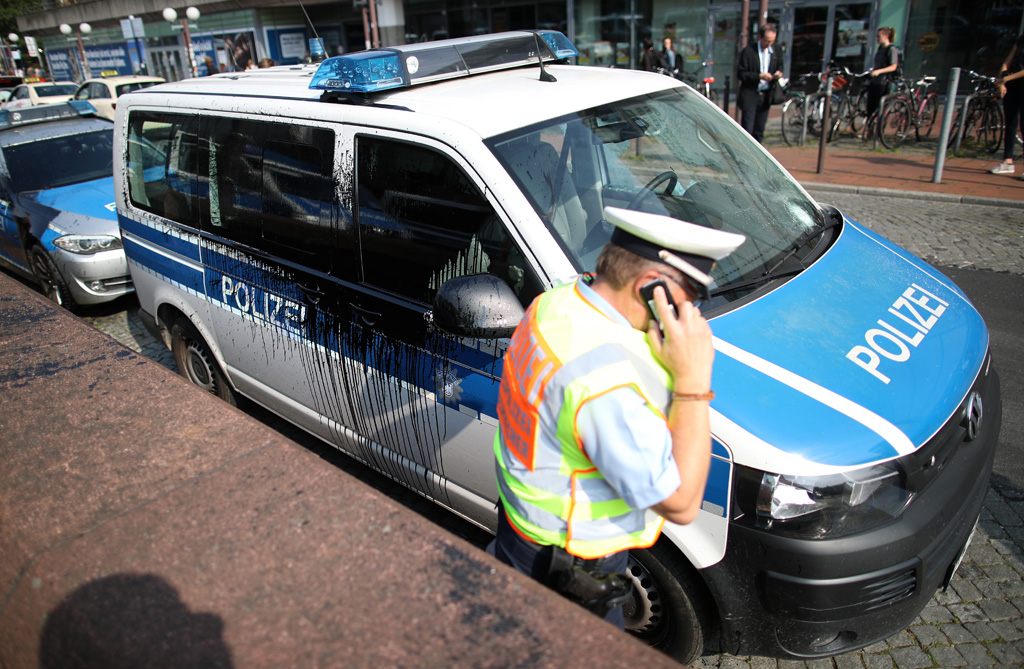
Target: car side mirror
x=480 y=306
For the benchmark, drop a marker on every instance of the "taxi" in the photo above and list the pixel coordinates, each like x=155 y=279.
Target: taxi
x=57 y=216
x=34 y=93
x=102 y=92
x=352 y=243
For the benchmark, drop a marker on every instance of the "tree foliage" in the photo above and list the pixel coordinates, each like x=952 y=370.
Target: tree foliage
x=10 y=10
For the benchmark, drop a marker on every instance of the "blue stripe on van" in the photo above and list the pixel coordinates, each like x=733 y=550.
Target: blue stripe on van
x=183 y=244
x=174 y=271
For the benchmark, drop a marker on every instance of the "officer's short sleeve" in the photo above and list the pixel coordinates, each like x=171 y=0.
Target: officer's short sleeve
x=630 y=445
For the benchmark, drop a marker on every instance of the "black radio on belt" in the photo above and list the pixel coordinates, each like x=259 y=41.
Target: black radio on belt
x=595 y=591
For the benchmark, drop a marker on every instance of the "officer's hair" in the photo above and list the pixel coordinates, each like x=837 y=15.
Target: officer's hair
x=620 y=267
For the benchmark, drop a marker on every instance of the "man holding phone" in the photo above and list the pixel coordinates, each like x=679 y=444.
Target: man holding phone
x=603 y=414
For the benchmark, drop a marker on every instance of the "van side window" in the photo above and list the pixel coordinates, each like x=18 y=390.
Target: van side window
x=271 y=186
x=161 y=165
x=422 y=221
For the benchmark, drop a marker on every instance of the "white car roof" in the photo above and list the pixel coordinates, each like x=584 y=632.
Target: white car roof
x=489 y=104
x=123 y=79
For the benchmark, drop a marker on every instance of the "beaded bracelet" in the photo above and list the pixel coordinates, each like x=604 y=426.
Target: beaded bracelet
x=693 y=397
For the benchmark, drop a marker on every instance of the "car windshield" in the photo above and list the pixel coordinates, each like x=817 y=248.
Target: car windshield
x=60 y=161
x=134 y=86
x=670 y=153
x=55 y=89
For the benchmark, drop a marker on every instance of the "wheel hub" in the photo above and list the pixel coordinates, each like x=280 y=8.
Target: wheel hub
x=198 y=366
x=643 y=611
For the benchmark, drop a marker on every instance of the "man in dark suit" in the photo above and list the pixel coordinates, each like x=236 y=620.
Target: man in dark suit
x=759 y=66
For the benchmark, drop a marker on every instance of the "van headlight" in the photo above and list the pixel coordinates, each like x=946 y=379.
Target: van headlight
x=821 y=507
x=87 y=244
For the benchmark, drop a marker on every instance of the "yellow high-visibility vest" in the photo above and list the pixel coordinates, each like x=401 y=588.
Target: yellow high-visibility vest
x=564 y=353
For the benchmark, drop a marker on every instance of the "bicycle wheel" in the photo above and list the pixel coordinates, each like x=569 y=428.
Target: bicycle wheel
x=990 y=132
x=895 y=123
x=926 y=116
x=792 y=120
x=859 y=111
x=840 y=115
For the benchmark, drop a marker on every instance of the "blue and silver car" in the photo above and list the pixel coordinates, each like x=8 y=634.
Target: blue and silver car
x=57 y=217
x=352 y=244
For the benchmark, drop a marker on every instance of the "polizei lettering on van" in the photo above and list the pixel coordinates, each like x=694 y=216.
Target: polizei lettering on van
x=262 y=305
x=916 y=311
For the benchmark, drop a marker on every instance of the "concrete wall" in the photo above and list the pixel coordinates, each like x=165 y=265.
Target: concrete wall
x=143 y=523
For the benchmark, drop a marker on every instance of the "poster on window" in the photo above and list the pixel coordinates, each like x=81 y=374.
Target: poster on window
x=851 y=38
x=227 y=52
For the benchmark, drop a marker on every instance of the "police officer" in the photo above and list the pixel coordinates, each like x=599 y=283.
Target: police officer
x=601 y=415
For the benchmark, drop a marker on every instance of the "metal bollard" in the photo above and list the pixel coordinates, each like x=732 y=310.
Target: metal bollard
x=725 y=96
x=947 y=121
x=824 y=124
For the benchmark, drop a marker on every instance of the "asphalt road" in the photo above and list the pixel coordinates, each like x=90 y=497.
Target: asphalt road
x=999 y=298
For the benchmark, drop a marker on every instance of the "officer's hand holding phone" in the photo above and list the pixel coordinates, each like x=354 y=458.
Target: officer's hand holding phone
x=683 y=340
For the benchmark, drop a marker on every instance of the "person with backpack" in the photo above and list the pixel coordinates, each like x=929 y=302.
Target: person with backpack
x=886 y=67
x=1010 y=85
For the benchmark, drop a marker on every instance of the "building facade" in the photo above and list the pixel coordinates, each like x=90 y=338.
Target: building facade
x=935 y=35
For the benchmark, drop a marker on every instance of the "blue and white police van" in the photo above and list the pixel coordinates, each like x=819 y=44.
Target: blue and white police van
x=58 y=223
x=350 y=244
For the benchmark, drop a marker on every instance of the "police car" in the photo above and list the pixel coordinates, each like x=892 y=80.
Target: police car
x=57 y=217
x=351 y=243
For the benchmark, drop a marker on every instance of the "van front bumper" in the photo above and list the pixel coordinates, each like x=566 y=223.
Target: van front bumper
x=805 y=598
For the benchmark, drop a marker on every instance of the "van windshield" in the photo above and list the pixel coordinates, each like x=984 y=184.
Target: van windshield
x=671 y=153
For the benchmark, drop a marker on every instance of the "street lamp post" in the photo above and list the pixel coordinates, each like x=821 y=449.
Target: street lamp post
x=191 y=14
x=83 y=29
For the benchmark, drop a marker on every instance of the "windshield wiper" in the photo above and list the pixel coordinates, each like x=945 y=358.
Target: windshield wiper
x=801 y=241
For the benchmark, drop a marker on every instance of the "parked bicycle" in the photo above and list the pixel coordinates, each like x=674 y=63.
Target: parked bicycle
x=982 y=120
x=695 y=79
x=850 y=100
x=801 y=93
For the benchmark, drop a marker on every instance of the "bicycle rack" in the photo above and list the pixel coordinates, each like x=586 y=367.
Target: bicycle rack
x=962 y=121
x=810 y=102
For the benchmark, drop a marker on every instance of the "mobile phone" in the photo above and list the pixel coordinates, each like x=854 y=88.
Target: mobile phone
x=647 y=295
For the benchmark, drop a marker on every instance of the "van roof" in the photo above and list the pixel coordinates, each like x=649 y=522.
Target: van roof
x=489 y=104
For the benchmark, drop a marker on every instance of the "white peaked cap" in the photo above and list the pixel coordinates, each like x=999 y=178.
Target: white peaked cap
x=692 y=249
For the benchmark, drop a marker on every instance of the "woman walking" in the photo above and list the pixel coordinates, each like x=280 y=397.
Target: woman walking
x=1010 y=85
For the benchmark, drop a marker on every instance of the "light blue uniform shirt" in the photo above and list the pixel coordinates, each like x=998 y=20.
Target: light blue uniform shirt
x=630 y=444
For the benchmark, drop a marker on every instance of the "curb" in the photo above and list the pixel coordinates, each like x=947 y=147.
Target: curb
x=912 y=195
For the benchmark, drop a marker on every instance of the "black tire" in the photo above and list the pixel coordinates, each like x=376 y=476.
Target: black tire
x=670 y=609
x=859 y=111
x=196 y=362
x=792 y=120
x=990 y=134
x=895 y=123
x=926 y=119
x=51 y=282
x=841 y=116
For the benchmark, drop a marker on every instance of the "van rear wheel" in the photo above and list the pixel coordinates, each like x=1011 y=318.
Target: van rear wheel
x=670 y=608
x=196 y=362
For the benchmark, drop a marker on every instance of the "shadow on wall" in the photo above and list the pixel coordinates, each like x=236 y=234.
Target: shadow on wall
x=130 y=620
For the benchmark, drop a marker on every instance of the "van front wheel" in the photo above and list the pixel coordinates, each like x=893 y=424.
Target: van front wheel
x=670 y=608
x=196 y=362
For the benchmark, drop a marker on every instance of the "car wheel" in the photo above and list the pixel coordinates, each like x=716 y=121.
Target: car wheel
x=196 y=362
x=50 y=280
x=670 y=608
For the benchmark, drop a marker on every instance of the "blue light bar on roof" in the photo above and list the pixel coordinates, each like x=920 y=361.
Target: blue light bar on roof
x=411 y=64
x=41 y=113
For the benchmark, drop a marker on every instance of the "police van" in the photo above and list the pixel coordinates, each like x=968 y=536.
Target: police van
x=351 y=243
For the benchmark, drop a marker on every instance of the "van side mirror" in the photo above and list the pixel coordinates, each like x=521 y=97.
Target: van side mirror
x=480 y=306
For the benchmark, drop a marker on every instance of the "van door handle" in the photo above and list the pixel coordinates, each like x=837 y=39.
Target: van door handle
x=364 y=316
x=312 y=295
